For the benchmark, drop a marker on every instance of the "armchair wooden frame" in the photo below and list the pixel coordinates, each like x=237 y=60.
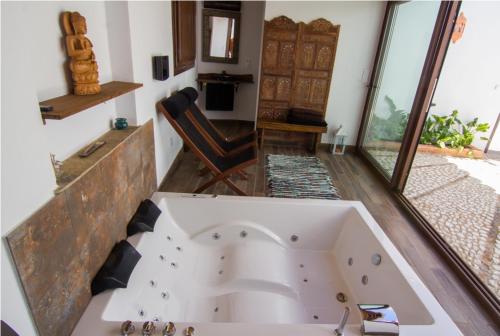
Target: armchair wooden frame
x=214 y=143
x=218 y=175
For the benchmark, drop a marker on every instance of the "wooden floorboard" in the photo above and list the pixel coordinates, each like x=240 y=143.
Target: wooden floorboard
x=356 y=181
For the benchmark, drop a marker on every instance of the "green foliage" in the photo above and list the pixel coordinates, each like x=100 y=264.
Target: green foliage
x=390 y=129
x=449 y=131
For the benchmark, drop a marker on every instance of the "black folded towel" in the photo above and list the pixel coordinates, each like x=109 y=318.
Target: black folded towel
x=219 y=97
x=305 y=117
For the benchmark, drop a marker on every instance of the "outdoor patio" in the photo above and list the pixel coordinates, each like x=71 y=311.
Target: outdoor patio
x=460 y=198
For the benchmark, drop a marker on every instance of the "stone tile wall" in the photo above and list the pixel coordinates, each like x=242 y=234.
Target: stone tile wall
x=60 y=248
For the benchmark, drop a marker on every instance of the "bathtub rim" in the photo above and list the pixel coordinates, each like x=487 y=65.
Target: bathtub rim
x=92 y=322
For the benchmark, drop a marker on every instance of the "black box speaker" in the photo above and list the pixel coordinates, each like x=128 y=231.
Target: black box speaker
x=160 y=67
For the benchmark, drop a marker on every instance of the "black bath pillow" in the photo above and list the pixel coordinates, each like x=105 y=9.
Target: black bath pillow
x=116 y=270
x=144 y=218
x=190 y=94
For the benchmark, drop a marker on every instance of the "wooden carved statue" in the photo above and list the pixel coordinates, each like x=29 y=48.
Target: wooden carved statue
x=82 y=59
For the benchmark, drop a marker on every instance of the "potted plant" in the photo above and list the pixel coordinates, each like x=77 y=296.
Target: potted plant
x=449 y=135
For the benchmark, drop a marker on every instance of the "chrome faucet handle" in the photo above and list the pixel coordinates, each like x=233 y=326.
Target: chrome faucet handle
x=127 y=328
x=148 y=328
x=189 y=331
x=169 y=329
x=340 y=329
x=378 y=319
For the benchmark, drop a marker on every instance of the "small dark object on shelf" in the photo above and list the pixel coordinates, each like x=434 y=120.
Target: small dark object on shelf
x=91 y=148
x=116 y=270
x=144 y=218
x=121 y=123
x=46 y=108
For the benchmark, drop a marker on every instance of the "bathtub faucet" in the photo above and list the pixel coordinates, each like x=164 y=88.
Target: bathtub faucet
x=148 y=328
x=169 y=329
x=127 y=328
x=340 y=329
x=378 y=319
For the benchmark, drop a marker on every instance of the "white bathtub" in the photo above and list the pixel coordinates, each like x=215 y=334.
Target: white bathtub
x=229 y=266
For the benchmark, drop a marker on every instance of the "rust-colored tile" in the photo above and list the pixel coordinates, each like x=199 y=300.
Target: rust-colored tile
x=88 y=207
x=149 y=171
x=42 y=247
x=122 y=211
x=59 y=309
x=130 y=153
x=114 y=172
x=61 y=247
x=147 y=135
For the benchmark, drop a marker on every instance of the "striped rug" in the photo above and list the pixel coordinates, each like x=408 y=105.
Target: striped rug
x=298 y=177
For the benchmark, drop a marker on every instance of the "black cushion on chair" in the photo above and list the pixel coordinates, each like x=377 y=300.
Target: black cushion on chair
x=175 y=105
x=190 y=93
x=250 y=137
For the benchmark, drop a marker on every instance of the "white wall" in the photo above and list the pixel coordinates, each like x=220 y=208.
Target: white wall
x=120 y=52
x=245 y=100
x=151 y=35
x=48 y=69
x=470 y=78
x=27 y=177
x=125 y=36
x=361 y=23
x=32 y=70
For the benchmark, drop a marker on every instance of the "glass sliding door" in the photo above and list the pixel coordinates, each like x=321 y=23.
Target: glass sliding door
x=412 y=49
x=408 y=33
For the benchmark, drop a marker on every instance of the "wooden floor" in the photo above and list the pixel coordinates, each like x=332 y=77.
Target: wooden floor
x=355 y=181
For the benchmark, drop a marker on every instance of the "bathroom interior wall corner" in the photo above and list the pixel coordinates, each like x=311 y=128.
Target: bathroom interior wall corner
x=151 y=35
x=245 y=100
x=27 y=177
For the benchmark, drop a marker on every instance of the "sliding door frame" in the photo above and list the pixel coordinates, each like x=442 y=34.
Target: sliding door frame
x=373 y=85
x=440 y=40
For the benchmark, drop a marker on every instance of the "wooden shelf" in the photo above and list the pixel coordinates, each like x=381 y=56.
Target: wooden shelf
x=65 y=106
x=74 y=166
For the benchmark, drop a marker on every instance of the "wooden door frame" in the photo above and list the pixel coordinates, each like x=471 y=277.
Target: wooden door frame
x=433 y=64
x=440 y=40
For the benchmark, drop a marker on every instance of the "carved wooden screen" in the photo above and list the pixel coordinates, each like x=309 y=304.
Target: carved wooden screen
x=316 y=48
x=297 y=65
x=278 y=62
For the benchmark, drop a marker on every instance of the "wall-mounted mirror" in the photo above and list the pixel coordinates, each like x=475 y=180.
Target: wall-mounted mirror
x=221 y=36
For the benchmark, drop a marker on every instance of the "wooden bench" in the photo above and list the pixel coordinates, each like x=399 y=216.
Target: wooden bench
x=275 y=125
